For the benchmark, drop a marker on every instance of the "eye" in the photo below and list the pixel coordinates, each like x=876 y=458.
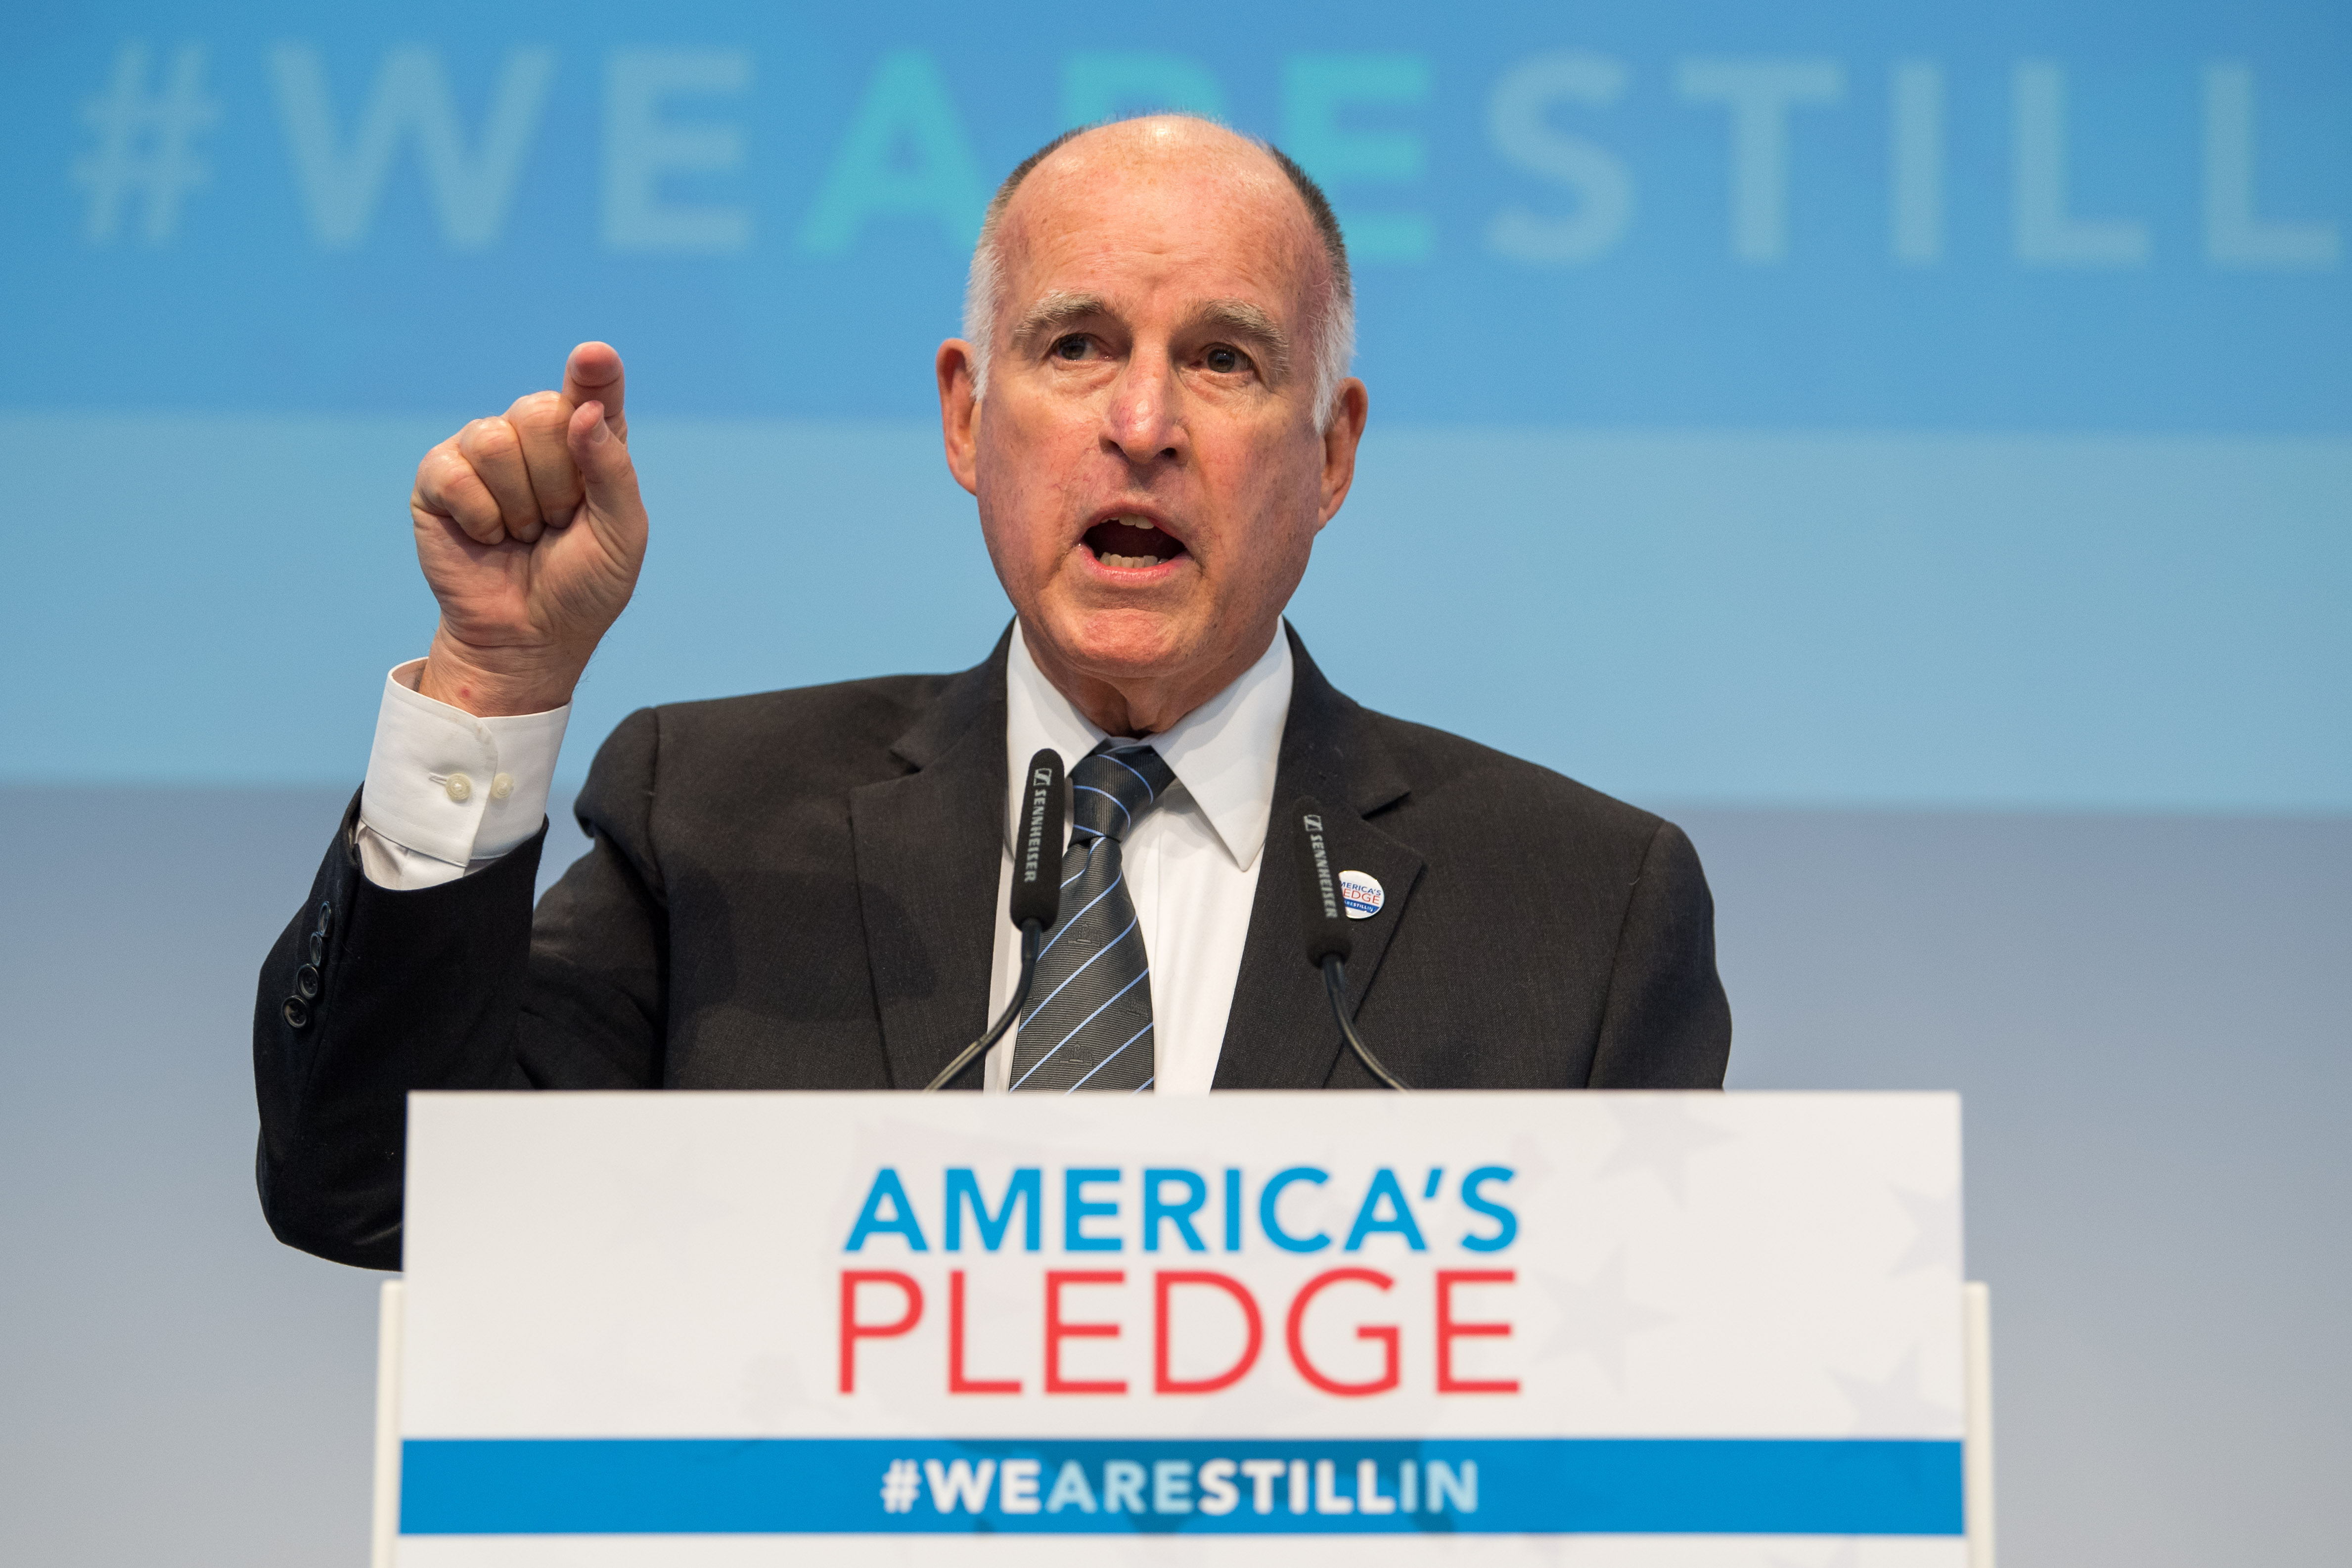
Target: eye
x=1224 y=359
x=1074 y=347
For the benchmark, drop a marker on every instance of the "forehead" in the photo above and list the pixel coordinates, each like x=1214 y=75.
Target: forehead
x=1159 y=222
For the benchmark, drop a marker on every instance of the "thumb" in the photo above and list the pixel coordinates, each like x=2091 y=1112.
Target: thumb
x=610 y=479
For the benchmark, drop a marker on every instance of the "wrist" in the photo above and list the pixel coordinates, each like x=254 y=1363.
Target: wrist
x=497 y=682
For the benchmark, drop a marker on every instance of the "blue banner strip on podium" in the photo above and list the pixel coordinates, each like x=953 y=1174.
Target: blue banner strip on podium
x=1545 y=1485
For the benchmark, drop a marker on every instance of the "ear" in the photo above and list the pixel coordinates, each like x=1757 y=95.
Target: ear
x=1340 y=437
x=959 y=412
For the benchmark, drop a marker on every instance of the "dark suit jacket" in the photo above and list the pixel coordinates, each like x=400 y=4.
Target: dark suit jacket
x=798 y=891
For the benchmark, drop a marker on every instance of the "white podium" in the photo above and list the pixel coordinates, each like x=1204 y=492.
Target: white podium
x=1649 y=1328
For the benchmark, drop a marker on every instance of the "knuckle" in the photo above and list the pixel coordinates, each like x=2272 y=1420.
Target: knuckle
x=475 y=512
x=437 y=482
x=541 y=410
x=488 y=440
x=438 y=461
x=456 y=481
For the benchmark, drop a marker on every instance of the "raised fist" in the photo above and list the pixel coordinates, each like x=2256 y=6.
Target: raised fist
x=530 y=532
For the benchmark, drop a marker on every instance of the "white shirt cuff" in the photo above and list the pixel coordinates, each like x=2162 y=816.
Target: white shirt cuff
x=446 y=784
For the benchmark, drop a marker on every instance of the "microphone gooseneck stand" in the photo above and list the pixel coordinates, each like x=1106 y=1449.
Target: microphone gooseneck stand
x=1030 y=931
x=1330 y=942
x=1335 y=985
x=1036 y=898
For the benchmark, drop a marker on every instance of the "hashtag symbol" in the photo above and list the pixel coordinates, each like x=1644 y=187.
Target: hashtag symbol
x=902 y=1483
x=144 y=143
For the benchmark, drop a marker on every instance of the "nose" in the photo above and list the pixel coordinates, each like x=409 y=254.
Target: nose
x=1145 y=419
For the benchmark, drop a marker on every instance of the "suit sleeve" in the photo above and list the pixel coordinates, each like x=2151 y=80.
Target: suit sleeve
x=449 y=987
x=1667 y=1024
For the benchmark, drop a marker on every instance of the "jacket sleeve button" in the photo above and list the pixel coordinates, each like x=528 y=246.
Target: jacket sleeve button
x=306 y=982
x=296 y=1012
x=318 y=947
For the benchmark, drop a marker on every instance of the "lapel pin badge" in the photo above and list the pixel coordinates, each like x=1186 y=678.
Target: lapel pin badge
x=1361 y=891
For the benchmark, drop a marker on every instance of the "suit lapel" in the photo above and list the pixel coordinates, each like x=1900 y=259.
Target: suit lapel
x=930 y=848
x=1279 y=1034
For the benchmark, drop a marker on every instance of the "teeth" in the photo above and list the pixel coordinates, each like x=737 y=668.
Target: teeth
x=1129 y=562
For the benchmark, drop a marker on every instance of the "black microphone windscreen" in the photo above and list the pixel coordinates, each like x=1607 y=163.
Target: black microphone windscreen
x=1037 y=846
x=1320 y=908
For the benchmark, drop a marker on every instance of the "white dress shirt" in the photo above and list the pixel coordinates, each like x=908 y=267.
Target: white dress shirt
x=1191 y=863
x=447 y=792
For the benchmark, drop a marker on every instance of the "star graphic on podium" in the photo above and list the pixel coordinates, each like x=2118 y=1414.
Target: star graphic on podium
x=1598 y=1318
x=1530 y=1156
x=1894 y=1405
x=1935 y=1231
x=1661 y=1138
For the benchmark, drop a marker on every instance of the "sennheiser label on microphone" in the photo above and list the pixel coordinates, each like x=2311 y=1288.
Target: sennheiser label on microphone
x=1033 y=841
x=1322 y=865
x=1361 y=891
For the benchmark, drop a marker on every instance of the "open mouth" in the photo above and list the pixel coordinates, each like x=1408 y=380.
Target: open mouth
x=1132 y=544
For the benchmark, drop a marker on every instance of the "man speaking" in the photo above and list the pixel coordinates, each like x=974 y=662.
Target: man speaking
x=806 y=889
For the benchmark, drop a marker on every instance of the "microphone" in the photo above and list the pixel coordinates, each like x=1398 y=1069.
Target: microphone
x=1037 y=900
x=1037 y=848
x=1328 y=940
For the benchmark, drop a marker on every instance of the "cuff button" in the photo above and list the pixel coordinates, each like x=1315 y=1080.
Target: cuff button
x=296 y=1013
x=461 y=788
x=326 y=917
x=306 y=982
x=502 y=786
x=318 y=947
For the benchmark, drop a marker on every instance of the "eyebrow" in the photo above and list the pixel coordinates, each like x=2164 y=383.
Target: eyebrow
x=1055 y=310
x=1240 y=319
x=1225 y=317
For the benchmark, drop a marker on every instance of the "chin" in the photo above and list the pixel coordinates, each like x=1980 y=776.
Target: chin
x=1123 y=643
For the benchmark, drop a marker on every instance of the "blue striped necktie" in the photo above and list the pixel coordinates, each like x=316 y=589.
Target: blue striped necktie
x=1088 y=1022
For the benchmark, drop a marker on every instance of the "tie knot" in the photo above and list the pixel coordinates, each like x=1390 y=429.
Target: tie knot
x=1113 y=786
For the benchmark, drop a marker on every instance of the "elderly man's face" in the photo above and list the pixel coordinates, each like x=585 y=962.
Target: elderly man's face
x=1150 y=469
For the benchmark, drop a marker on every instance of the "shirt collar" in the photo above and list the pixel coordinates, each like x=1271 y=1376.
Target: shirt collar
x=1224 y=752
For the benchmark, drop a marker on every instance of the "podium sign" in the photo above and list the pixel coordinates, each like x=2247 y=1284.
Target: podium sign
x=703 y=1329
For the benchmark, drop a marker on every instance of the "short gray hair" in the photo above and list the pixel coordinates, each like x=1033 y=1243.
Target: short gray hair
x=1331 y=324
